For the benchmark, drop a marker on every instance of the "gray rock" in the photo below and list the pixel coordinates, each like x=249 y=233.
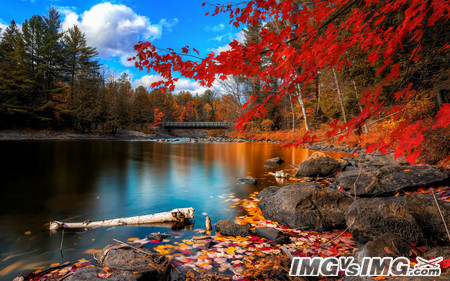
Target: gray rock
x=126 y=262
x=381 y=159
x=126 y=258
x=388 y=180
x=248 y=179
x=368 y=218
x=318 y=165
x=227 y=227
x=268 y=191
x=423 y=208
x=387 y=245
x=435 y=252
x=282 y=240
x=305 y=205
x=269 y=232
x=275 y=160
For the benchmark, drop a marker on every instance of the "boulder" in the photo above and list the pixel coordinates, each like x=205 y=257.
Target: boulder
x=269 y=232
x=306 y=205
x=388 y=180
x=268 y=191
x=318 y=165
x=436 y=252
x=275 y=160
x=369 y=218
x=127 y=264
x=387 y=245
x=128 y=259
x=423 y=208
x=381 y=159
x=248 y=180
x=227 y=227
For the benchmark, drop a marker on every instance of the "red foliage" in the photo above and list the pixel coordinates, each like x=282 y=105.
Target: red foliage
x=311 y=42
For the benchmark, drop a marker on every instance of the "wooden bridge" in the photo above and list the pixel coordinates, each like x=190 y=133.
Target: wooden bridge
x=195 y=125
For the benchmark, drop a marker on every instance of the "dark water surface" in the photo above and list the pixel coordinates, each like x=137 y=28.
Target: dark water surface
x=80 y=180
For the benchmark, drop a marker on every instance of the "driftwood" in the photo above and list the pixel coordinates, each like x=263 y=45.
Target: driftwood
x=176 y=215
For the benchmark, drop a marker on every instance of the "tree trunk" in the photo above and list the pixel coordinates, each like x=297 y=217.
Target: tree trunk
x=176 y=215
x=318 y=96
x=366 y=130
x=340 y=96
x=293 y=113
x=300 y=101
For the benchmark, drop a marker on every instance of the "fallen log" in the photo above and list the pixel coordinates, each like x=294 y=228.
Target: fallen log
x=176 y=215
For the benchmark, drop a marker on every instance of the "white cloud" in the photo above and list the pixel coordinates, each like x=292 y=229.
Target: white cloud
x=114 y=29
x=2 y=27
x=238 y=36
x=182 y=84
x=215 y=28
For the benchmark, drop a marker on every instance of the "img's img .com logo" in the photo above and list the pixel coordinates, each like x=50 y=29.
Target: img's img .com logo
x=369 y=266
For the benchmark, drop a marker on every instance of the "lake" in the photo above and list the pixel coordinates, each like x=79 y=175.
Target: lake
x=80 y=180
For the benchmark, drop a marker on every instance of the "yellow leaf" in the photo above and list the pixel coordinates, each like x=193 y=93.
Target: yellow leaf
x=230 y=250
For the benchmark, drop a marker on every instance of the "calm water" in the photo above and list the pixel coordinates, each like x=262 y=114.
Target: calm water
x=80 y=180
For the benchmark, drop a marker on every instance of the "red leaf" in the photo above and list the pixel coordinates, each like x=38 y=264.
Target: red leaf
x=442 y=118
x=413 y=156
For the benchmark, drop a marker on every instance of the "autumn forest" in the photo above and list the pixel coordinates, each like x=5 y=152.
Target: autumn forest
x=51 y=79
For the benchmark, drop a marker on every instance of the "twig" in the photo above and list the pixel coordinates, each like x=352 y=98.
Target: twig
x=61 y=245
x=442 y=216
x=342 y=233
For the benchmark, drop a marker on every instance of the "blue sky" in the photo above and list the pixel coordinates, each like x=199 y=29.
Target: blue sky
x=114 y=27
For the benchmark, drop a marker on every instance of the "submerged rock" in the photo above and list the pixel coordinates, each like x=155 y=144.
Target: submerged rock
x=248 y=179
x=388 y=180
x=305 y=205
x=227 y=227
x=318 y=165
x=275 y=160
x=369 y=218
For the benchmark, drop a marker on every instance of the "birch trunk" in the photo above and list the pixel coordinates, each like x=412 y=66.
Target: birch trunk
x=302 y=105
x=340 y=96
x=176 y=215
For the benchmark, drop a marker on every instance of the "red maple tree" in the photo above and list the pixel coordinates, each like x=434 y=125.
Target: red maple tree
x=317 y=36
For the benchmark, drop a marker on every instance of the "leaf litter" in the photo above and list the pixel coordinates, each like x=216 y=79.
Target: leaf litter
x=238 y=258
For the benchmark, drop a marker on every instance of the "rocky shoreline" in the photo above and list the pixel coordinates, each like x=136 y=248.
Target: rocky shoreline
x=373 y=200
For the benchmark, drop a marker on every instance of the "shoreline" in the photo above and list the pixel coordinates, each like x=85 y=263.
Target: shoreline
x=129 y=135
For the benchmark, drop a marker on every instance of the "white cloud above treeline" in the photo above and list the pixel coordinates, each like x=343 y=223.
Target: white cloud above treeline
x=114 y=29
x=2 y=27
x=182 y=84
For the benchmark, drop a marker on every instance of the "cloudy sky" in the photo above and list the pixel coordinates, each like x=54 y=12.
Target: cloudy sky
x=115 y=26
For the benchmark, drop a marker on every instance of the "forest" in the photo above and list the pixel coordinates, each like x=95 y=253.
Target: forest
x=52 y=79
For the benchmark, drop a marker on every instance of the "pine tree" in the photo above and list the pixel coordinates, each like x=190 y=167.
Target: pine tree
x=78 y=55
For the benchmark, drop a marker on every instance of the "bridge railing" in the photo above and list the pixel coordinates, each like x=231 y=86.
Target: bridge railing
x=196 y=124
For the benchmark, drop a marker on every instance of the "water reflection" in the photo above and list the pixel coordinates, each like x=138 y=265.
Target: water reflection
x=80 y=180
